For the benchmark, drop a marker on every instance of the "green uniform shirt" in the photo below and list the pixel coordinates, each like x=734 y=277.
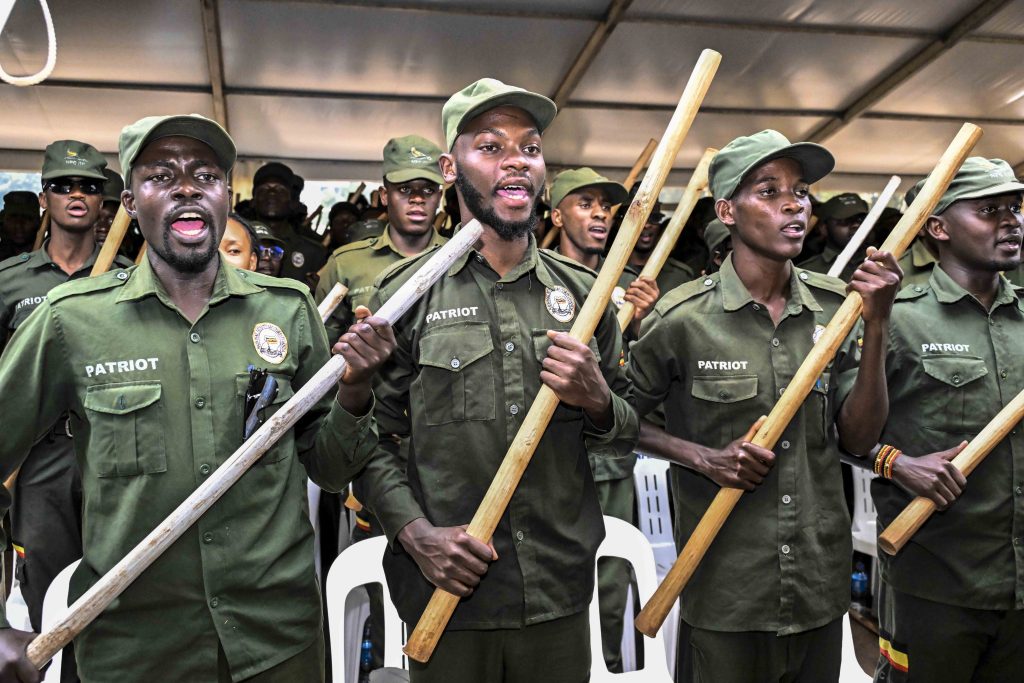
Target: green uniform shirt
x=823 y=261
x=356 y=266
x=951 y=366
x=461 y=381
x=25 y=279
x=301 y=254
x=716 y=360
x=917 y=263
x=156 y=405
x=673 y=274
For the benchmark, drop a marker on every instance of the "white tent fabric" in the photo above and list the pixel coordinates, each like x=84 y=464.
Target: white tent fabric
x=322 y=84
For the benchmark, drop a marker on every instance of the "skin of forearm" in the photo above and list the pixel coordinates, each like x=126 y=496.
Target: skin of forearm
x=657 y=442
x=863 y=414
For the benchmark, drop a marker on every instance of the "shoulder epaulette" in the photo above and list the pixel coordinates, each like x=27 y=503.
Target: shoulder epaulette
x=355 y=246
x=822 y=281
x=559 y=258
x=392 y=271
x=111 y=279
x=686 y=291
x=271 y=282
x=122 y=261
x=912 y=292
x=14 y=261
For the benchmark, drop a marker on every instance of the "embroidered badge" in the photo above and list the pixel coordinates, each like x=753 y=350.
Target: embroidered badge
x=816 y=335
x=619 y=297
x=298 y=259
x=560 y=303
x=270 y=342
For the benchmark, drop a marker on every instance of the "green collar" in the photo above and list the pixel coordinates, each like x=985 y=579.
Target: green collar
x=735 y=294
x=384 y=241
x=41 y=257
x=142 y=282
x=531 y=261
x=947 y=291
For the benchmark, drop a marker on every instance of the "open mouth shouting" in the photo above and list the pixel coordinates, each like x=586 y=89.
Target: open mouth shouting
x=516 y=192
x=189 y=227
x=794 y=229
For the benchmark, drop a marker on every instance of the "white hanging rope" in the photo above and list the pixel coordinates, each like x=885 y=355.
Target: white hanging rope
x=51 y=55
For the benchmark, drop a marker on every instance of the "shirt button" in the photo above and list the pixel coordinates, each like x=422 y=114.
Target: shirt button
x=775 y=341
x=510 y=347
x=785 y=550
x=520 y=535
x=499 y=286
x=804 y=276
x=1019 y=490
x=204 y=469
x=214 y=602
x=1003 y=374
x=200 y=402
x=757 y=307
x=787 y=499
x=122 y=275
x=917 y=288
x=194 y=337
x=514 y=409
x=708 y=282
x=782 y=391
x=207 y=537
x=456 y=363
x=956 y=379
x=785 y=445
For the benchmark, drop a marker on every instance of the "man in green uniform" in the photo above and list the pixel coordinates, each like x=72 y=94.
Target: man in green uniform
x=839 y=218
x=273 y=203
x=163 y=349
x=766 y=601
x=19 y=222
x=411 y=194
x=952 y=601
x=471 y=357
x=582 y=201
x=113 y=186
x=919 y=260
x=673 y=273
x=716 y=236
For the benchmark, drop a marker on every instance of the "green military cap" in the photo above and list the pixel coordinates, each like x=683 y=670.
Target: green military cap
x=411 y=157
x=264 y=234
x=113 y=187
x=715 y=233
x=573 y=179
x=843 y=206
x=134 y=138
x=741 y=156
x=486 y=94
x=978 y=177
x=65 y=158
x=21 y=203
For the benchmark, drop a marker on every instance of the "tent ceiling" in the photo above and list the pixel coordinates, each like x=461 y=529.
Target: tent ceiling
x=322 y=84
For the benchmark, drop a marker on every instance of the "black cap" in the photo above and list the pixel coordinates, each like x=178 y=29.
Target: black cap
x=275 y=170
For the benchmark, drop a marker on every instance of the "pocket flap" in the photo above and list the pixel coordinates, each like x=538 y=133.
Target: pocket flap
x=955 y=371
x=455 y=347
x=541 y=344
x=725 y=389
x=119 y=399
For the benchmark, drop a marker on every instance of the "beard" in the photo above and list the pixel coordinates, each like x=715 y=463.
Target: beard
x=509 y=231
x=193 y=259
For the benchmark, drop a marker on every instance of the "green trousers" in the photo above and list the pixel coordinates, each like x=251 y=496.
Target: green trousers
x=930 y=642
x=762 y=657
x=305 y=667
x=614 y=575
x=555 y=651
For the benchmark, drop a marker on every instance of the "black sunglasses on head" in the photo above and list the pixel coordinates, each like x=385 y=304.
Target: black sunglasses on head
x=66 y=185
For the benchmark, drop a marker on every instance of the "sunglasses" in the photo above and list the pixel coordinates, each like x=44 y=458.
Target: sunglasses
x=271 y=252
x=66 y=185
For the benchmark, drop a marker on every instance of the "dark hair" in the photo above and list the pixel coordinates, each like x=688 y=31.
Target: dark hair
x=343 y=206
x=254 y=240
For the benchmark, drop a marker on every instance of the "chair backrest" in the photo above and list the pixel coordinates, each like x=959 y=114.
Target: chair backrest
x=627 y=542
x=358 y=565
x=863 y=506
x=650 y=477
x=850 y=671
x=55 y=604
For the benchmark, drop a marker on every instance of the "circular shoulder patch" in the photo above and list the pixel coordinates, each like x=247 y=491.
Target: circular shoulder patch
x=270 y=342
x=560 y=303
x=298 y=259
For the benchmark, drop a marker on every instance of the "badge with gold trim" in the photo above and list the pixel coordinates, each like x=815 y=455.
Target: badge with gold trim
x=560 y=303
x=270 y=342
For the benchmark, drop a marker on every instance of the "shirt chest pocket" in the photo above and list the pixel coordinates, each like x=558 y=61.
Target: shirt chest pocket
x=955 y=397
x=126 y=429
x=541 y=344
x=719 y=410
x=286 y=444
x=456 y=380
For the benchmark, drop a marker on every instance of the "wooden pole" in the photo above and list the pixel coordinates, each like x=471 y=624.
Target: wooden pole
x=103 y=592
x=331 y=301
x=667 y=242
x=442 y=604
x=44 y=225
x=108 y=252
x=920 y=509
x=654 y=612
x=638 y=166
x=865 y=227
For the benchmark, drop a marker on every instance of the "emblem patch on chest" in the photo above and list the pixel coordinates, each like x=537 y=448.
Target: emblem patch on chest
x=270 y=342
x=560 y=304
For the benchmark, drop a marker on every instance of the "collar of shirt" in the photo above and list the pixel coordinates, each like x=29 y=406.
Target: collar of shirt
x=735 y=294
x=530 y=262
x=143 y=282
x=919 y=254
x=947 y=291
x=385 y=241
x=829 y=254
x=41 y=257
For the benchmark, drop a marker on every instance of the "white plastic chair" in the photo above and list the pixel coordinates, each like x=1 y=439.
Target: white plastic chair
x=17 y=610
x=358 y=565
x=850 y=672
x=625 y=541
x=650 y=476
x=55 y=604
x=865 y=519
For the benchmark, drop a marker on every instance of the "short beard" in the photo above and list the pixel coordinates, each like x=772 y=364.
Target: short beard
x=195 y=260
x=506 y=230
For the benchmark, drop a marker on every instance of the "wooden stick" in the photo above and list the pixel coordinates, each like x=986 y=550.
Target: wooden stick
x=653 y=614
x=638 y=166
x=439 y=610
x=108 y=252
x=667 y=242
x=142 y=253
x=95 y=600
x=355 y=194
x=331 y=301
x=44 y=225
x=865 y=227
x=920 y=509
